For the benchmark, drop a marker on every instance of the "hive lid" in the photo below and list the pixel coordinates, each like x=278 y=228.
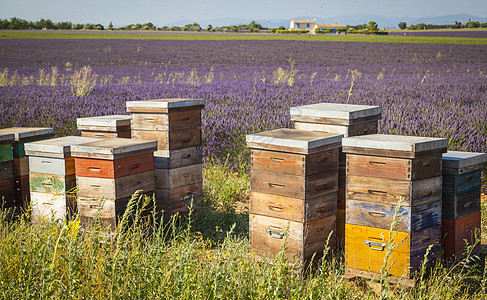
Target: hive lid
x=162 y=105
x=57 y=147
x=294 y=140
x=161 y=159
x=112 y=121
x=7 y=138
x=335 y=113
x=113 y=148
x=463 y=161
x=394 y=145
x=22 y=134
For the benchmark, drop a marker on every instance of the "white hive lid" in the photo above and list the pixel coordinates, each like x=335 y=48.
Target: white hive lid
x=459 y=159
x=104 y=121
x=293 y=138
x=413 y=144
x=336 y=111
x=27 y=133
x=113 y=148
x=58 y=146
x=164 y=103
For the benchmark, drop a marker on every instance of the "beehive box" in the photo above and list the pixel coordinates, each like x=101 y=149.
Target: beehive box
x=392 y=179
x=112 y=126
x=173 y=123
x=108 y=173
x=52 y=177
x=461 y=202
x=7 y=185
x=294 y=181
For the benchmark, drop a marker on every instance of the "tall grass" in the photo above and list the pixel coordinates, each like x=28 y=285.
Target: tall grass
x=204 y=257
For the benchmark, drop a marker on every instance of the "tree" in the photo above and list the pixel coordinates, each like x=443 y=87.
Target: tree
x=110 y=26
x=372 y=26
x=209 y=27
x=402 y=25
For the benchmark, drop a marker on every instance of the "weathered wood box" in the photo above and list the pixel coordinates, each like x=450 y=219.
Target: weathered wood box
x=294 y=180
x=173 y=123
x=108 y=173
x=7 y=184
x=24 y=135
x=112 y=126
x=392 y=179
x=52 y=177
x=461 y=202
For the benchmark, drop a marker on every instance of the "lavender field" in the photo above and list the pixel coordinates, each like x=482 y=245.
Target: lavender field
x=437 y=90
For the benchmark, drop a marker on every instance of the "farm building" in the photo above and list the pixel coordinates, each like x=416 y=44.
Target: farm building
x=312 y=26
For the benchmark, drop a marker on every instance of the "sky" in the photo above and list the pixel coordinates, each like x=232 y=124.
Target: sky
x=164 y=12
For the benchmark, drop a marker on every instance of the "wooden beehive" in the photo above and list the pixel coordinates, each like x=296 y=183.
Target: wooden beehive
x=390 y=179
x=52 y=177
x=7 y=185
x=461 y=202
x=112 y=126
x=294 y=182
x=24 y=135
x=346 y=119
x=108 y=173
x=173 y=123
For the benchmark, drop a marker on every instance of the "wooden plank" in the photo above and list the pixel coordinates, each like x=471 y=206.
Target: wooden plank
x=113 y=148
x=162 y=110
x=27 y=134
x=177 y=120
x=346 y=130
x=52 y=206
x=170 y=140
x=50 y=183
x=170 y=159
x=456 y=234
x=329 y=113
x=301 y=187
x=51 y=165
x=342 y=177
x=110 y=123
x=7 y=170
x=21 y=166
x=253 y=145
x=7 y=193
x=57 y=147
x=99 y=134
x=296 y=210
x=352 y=274
x=459 y=206
x=458 y=162
x=173 y=178
x=178 y=200
x=150 y=121
x=365 y=249
x=455 y=184
x=380 y=190
x=118 y=188
x=409 y=219
x=125 y=166
x=22 y=191
x=164 y=105
x=295 y=164
x=341 y=198
x=303 y=240
x=394 y=168
x=340 y=228
x=6 y=153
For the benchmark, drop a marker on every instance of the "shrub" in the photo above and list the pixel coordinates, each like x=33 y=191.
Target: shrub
x=292 y=31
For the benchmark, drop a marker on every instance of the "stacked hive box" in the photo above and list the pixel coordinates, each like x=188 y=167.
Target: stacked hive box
x=108 y=173
x=346 y=119
x=461 y=202
x=383 y=171
x=7 y=185
x=21 y=161
x=176 y=126
x=293 y=189
x=52 y=177
x=114 y=126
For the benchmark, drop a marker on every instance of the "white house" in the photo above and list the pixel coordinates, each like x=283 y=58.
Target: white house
x=303 y=25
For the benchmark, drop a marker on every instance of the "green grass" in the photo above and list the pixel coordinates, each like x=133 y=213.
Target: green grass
x=238 y=36
x=204 y=257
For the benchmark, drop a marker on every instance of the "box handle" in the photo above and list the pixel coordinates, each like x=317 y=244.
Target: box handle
x=136 y=183
x=47 y=203
x=185 y=141
x=185 y=118
x=277 y=159
x=468 y=204
x=149 y=119
x=186 y=156
x=376 y=214
x=99 y=135
x=134 y=166
x=186 y=175
x=376 y=163
x=186 y=198
x=469 y=178
x=93 y=169
x=425 y=194
x=427 y=164
x=93 y=205
x=95 y=185
x=276 y=185
x=275 y=234
x=48 y=183
x=322 y=187
x=275 y=208
x=46 y=162
x=322 y=209
x=323 y=160
x=373 y=245
x=377 y=193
